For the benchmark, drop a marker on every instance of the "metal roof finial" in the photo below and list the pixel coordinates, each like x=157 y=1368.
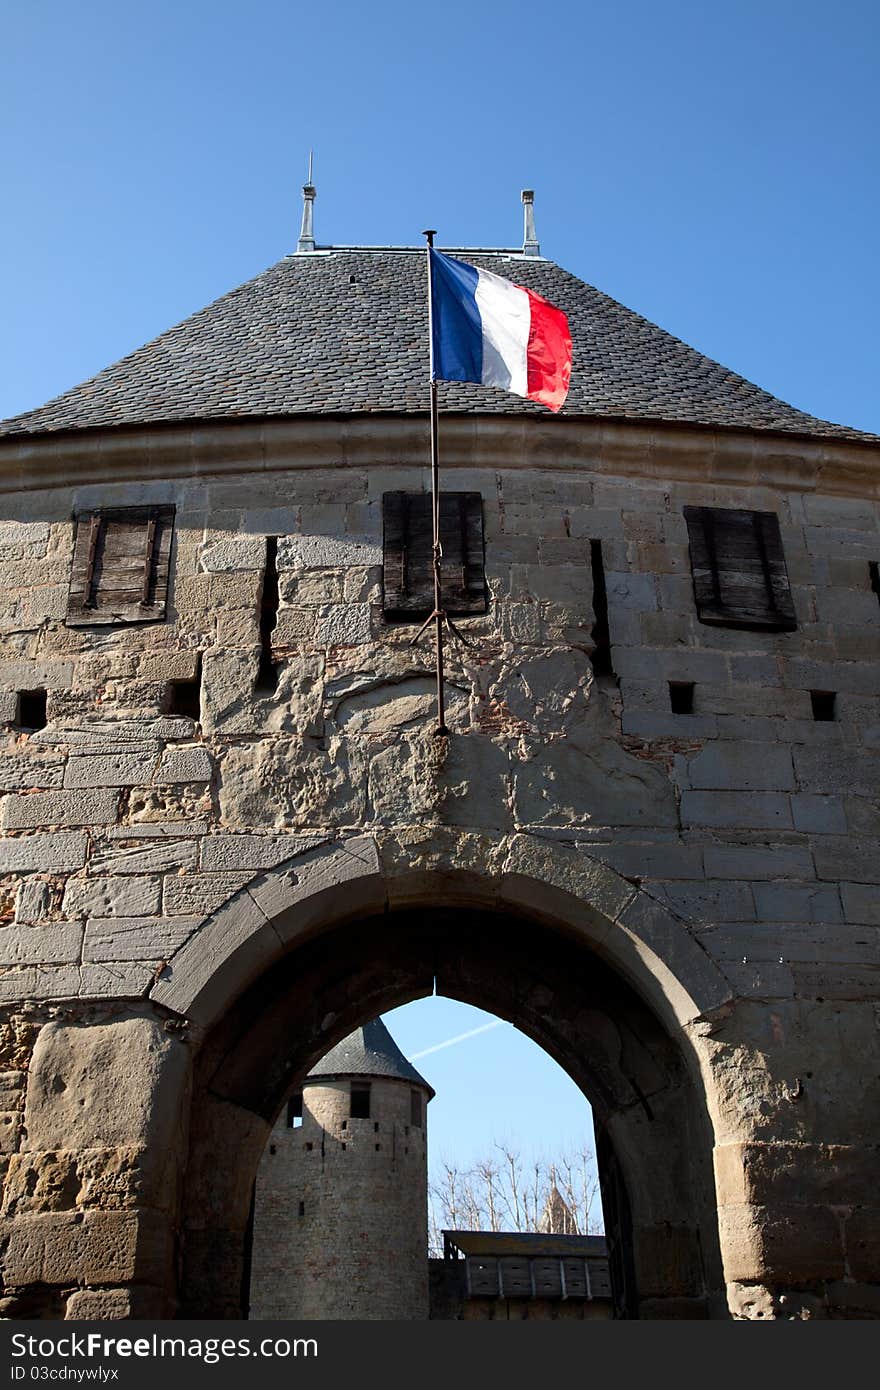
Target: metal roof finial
x=531 y=246
x=306 y=234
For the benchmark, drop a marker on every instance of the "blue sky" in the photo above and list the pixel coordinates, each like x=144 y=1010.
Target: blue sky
x=714 y=167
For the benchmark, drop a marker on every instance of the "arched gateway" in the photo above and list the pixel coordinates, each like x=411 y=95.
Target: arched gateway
x=229 y=834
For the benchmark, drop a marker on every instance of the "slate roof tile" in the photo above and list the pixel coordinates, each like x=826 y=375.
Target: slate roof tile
x=305 y=337
x=368 y=1051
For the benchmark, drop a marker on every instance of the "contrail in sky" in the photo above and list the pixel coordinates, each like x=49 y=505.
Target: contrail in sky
x=461 y=1037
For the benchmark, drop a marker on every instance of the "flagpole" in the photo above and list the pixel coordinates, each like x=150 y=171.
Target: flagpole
x=441 y=730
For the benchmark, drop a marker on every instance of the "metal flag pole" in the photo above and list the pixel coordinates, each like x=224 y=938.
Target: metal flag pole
x=436 y=552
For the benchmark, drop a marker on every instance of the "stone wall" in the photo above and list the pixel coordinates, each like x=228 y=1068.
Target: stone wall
x=126 y=828
x=341 y=1211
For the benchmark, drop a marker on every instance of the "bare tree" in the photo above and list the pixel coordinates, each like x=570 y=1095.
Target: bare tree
x=501 y=1192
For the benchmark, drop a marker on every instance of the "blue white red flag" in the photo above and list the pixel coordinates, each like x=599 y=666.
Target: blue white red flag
x=496 y=333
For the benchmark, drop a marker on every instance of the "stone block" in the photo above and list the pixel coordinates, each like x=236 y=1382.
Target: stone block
x=861 y=903
x=93 y=1247
x=635 y=591
x=797 y=902
x=145 y=859
x=560 y=787
x=786 y=1174
x=343 y=625
x=159 y=830
x=234 y=553
x=854 y=512
x=35 y=900
x=328 y=552
x=31 y=772
x=848 y=608
x=647 y=861
x=863 y=1241
x=110 y=770
x=758 y=862
x=227 y=690
x=198 y=895
x=20 y=539
x=783 y=1244
x=118 y=979
x=10 y=1130
x=821 y=815
x=8 y=706
x=112 y=897
x=736 y=810
x=852 y=772
x=136 y=938
x=68 y=1094
x=707 y=902
x=294 y=625
x=564 y=584
x=12 y=1084
x=290 y=783
x=650 y=664
x=62 y=851
x=253 y=852
x=34 y=982
x=835 y=540
x=34 y=675
x=844 y=857
x=742 y=766
x=56 y=944
x=847 y=677
x=43 y=809
x=141 y=1301
x=184 y=765
x=677 y=726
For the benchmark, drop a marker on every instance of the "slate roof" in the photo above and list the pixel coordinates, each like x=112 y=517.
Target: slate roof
x=345 y=330
x=368 y=1051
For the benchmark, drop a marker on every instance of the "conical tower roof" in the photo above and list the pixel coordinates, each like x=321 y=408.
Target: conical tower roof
x=368 y=1051
x=343 y=330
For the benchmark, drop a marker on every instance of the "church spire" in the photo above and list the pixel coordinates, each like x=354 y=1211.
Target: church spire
x=307 y=235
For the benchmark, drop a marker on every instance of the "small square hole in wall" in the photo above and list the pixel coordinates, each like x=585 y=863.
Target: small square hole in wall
x=184 y=697
x=30 y=713
x=824 y=704
x=681 y=697
x=302 y=1208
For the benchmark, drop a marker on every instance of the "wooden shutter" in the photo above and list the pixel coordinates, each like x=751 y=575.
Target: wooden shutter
x=738 y=568
x=408 y=577
x=120 y=566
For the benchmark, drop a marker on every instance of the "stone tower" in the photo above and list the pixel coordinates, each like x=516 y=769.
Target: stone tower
x=341 y=1209
x=229 y=831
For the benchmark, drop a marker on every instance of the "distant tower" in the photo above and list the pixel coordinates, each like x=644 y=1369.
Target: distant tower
x=341 y=1208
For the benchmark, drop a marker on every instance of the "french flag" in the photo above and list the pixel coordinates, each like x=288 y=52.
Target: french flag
x=489 y=330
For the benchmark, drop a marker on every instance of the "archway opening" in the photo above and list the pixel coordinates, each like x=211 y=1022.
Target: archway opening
x=653 y=1135
x=436 y=1164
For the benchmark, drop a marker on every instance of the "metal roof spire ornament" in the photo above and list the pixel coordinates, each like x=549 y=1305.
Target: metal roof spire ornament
x=306 y=234
x=531 y=246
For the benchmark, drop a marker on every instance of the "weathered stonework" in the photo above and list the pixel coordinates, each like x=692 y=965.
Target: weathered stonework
x=721 y=865
x=341 y=1210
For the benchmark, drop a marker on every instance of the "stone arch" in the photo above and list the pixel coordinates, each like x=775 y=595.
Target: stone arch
x=339 y=879
x=604 y=979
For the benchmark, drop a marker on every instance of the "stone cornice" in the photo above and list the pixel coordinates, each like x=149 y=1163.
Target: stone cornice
x=650 y=451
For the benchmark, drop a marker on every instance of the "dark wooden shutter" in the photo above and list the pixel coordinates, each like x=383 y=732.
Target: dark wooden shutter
x=738 y=568
x=408 y=578
x=120 y=566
